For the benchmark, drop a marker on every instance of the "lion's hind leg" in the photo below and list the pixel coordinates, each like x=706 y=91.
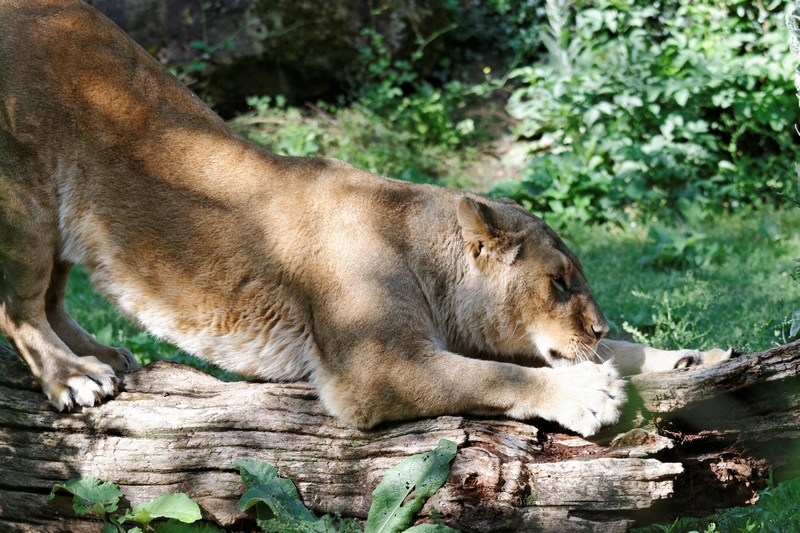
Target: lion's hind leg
x=27 y=252
x=79 y=341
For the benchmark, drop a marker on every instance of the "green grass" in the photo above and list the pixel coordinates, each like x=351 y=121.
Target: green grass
x=743 y=297
x=777 y=510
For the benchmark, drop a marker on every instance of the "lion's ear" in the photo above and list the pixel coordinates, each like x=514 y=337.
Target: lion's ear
x=482 y=231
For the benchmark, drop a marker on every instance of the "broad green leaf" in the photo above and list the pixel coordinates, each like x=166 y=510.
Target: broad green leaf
x=795 y=324
x=264 y=485
x=254 y=472
x=591 y=116
x=90 y=495
x=430 y=528
x=422 y=474
x=280 y=496
x=176 y=526
x=682 y=96
x=106 y=335
x=178 y=506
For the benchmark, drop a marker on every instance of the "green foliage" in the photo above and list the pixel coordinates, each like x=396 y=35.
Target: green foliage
x=279 y=509
x=421 y=474
x=646 y=106
x=398 y=124
x=195 y=74
x=277 y=503
x=177 y=506
x=490 y=31
x=564 y=187
x=90 y=495
x=678 y=248
x=794 y=325
x=677 y=312
x=360 y=136
x=393 y=92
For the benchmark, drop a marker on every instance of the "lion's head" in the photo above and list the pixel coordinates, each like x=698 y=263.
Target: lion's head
x=528 y=291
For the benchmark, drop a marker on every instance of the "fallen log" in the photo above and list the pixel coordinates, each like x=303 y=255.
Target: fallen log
x=690 y=441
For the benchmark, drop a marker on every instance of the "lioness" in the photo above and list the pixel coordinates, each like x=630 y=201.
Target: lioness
x=396 y=300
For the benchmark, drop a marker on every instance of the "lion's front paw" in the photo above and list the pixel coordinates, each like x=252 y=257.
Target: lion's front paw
x=716 y=356
x=84 y=382
x=589 y=396
x=687 y=358
x=664 y=360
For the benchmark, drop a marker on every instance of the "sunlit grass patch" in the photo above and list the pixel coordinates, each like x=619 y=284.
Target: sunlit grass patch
x=744 y=296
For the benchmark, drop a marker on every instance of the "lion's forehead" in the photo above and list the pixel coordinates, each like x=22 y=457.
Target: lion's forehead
x=548 y=254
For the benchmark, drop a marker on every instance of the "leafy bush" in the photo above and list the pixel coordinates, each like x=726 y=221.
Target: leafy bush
x=678 y=248
x=747 y=292
x=563 y=187
x=645 y=106
x=491 y=31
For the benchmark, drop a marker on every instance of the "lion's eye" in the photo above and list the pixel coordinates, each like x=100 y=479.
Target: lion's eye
x=560 y=282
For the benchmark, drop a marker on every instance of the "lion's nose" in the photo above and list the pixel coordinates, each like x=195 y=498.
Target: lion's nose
x=599 y=331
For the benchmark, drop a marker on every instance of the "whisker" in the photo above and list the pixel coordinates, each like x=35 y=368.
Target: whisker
x=514 y=332
x=591 y=352
x=582 y=352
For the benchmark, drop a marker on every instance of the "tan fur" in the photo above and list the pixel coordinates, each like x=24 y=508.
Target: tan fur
x=396 y=300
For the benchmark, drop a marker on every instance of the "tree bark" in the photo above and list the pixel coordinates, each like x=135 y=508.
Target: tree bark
x=689 y=441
